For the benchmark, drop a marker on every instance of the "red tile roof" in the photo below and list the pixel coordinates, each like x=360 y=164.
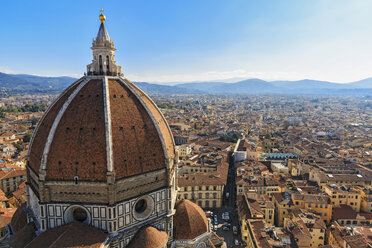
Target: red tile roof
x=141 y=138
x=148 y=237
x=20 y=193
x=343 y=212
x=23 y=236
x=41 y=132
x=137 y=146
x=19 y=219
x=3 y=197
x=189 y=220
x=72 y=235
x=4 y=174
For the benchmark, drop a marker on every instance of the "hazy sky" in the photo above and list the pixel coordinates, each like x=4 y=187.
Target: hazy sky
x=174 y=40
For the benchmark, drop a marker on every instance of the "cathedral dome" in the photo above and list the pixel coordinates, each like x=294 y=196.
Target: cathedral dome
x=189 y=220
x=102 y=156
x=149 y=237
x=100 y=125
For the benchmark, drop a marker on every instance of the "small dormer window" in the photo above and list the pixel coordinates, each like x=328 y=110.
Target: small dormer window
x=76 y=179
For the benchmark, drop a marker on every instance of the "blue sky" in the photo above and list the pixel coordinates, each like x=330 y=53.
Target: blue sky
x=175 y=41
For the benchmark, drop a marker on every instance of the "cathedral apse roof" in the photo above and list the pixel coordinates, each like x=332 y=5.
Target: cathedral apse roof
x=189 y=221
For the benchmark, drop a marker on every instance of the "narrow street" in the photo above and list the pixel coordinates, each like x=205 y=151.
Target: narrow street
x=228 y=206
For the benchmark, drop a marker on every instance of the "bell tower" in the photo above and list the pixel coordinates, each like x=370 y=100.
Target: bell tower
x=103 y=53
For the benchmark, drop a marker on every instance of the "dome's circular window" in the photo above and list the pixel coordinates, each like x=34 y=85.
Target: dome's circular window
x=143 y=207
x=77 y=213
x=140 y=206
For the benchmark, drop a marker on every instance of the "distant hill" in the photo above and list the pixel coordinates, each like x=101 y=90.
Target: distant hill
x=365 y=83
x=306 y=84
x=50 y=82
x=202 y=86
x=30 y=83
x=159 y=89
x=253 y=86
x=301 y=87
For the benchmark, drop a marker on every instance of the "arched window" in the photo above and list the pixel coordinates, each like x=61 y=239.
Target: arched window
x=100 y=64
x=107 y=63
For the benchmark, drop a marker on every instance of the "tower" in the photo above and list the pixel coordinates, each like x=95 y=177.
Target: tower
x=103 y=53
x=102 y=154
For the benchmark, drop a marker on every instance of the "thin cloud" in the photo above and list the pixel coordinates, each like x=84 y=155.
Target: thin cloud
x=5 y=69
x=233 y=75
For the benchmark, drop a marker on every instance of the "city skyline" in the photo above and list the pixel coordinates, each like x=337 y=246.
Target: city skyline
x=101 y=159
x=194 y=41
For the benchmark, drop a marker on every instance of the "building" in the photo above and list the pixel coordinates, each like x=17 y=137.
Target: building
x=319 y=204
x=4 y=201
x=183 y=151
x=240 y=151
x=7 y=137
x=204 y=163
x=181 y=140
x=293 y=167
x=204 y=189
x=343 y=195
x=340 y=237
x=5 y=217
x=366 y=199
x=102 y=169
x=308 y=229
x=264 y=236
x=19 y=196
x=244 y=216
x=282 y=203
x=261 y=185
x=9 y=179
x=260 y=207
x=345 y=215
x=340 y=175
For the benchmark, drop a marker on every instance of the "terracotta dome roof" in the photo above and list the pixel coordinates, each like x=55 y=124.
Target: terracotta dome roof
x=19 y=219
x=149 y=237
x=101 y=124
x=189 y=220
x=73 y=235
x=23 y=236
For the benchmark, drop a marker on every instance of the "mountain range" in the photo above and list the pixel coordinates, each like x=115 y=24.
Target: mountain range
x=24 y=82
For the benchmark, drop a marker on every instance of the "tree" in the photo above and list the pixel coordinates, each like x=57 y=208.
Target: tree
x=27 y=138
x=34 y=122
x=18 y=145
x=165 y=105
x=267 y=136
x=230 y=138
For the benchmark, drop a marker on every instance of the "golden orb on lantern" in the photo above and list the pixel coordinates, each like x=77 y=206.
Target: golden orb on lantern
x=102 y=17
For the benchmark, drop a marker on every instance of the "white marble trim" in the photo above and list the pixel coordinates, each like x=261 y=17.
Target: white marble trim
x=106 y=102
x=56 y=122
